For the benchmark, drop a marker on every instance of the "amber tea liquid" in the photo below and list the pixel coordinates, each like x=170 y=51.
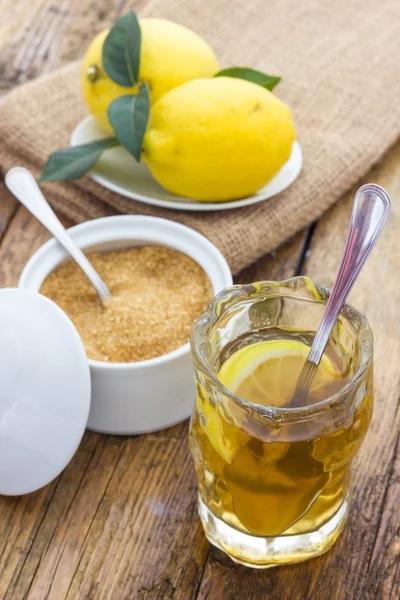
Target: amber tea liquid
x=269 y=479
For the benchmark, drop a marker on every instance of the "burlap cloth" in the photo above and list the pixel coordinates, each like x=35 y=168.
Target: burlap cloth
x=341 y=77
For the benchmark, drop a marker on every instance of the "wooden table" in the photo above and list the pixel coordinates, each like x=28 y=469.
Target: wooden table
x=120 y=522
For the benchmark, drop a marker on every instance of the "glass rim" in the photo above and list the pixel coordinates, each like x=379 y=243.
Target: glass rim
x=203 y=325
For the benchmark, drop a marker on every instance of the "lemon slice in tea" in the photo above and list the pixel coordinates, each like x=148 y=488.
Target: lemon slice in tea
x=267 y=372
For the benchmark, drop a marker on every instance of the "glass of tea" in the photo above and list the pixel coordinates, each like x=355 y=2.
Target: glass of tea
x=274 y=477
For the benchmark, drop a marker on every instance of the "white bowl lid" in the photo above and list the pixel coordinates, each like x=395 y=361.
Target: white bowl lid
x=44 y=391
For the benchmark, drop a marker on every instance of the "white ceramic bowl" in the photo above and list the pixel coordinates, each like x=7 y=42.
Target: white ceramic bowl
x=131 y=398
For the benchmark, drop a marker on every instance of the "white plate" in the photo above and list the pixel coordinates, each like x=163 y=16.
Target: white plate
x=118 y=171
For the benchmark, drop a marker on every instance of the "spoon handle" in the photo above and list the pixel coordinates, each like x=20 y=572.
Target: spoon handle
x=24 y=187
x=370 y=212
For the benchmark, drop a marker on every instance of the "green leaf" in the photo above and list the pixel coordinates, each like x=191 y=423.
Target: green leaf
x=129 y=116
x=266 y=81
x=71 y=163
x=121 y=51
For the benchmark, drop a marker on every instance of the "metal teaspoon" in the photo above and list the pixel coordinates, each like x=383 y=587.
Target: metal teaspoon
x=370 y=212
x=23 y=185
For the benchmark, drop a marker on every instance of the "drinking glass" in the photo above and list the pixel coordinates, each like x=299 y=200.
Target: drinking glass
x=274 y=481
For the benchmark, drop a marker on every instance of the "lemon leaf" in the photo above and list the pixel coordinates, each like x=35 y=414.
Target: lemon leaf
x=129 y=116
x=266 y=81
x=121 y=51
x=71 y=163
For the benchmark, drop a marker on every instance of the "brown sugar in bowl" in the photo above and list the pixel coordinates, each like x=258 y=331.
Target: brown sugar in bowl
x=157 y=295
x=146 y=395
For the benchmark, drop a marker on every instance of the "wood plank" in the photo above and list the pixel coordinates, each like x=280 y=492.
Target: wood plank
x=41 y=35
x=383 y=579
x=277 y=265
x=22 y=519
x=22 y=238
x=8 y=206
x=368 y=552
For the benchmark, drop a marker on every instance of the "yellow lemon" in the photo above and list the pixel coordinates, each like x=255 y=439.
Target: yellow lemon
x=171 y=54
x=267 y=372
x=216 y=139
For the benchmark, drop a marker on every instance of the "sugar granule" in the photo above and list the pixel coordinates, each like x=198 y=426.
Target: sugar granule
x=157 y=294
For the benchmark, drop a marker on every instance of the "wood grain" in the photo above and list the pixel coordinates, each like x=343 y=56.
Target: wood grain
x=40 y=35
x=120 y=522
x=8 y=207
x=278 y=265
x=383 y=576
